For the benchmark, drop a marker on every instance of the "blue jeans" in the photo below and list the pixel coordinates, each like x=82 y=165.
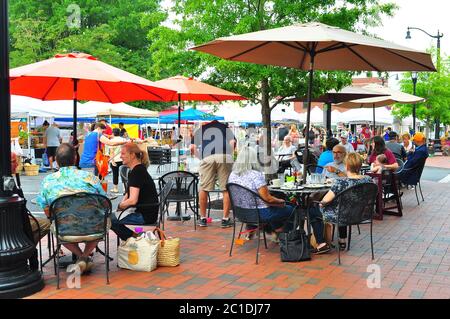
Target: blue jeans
x=276 y=217
x=118 y=226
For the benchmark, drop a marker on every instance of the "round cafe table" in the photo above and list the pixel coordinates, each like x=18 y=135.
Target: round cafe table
x=302 y=194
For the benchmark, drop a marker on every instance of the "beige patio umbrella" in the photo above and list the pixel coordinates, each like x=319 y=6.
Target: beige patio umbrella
x=391 y=97
x=314 y=45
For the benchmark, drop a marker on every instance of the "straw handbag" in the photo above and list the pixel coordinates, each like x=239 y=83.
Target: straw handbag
x=169 y=251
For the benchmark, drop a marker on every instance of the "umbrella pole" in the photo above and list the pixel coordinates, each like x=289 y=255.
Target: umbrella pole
x=308 y=114
x=179 y=130
x=75 y=102
x=374 y=127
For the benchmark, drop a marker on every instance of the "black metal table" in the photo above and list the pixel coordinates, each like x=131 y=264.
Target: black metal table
x=302 y=194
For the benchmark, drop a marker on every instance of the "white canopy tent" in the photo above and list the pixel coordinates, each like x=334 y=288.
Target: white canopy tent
x=317 y=116
x=117 y=110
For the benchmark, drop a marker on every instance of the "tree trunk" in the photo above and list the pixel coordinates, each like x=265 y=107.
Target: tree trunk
x=265 y=112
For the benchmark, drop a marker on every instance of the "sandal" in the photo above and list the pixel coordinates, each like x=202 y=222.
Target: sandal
x=342 y=246
x=322 y=250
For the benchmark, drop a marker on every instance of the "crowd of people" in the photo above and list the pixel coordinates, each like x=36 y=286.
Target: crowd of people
x=337 y=160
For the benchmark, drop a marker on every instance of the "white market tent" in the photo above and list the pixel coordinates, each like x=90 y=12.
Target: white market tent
x=117 y=110
x=317 y=116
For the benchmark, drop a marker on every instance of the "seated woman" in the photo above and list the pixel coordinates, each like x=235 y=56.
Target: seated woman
x=379 y=147
x=247 y=172
x=286 y=153
x=141 y=190
x=328 y=210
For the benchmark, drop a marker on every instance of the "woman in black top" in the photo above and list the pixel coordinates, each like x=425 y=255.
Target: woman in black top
x=141 y=191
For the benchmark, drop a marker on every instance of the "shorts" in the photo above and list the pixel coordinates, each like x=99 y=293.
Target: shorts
x=51 y=151
x=215 y=167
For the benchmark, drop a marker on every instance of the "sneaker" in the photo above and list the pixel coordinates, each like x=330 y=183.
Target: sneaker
x=202 y=222
x=115 y=190
x=226 y=223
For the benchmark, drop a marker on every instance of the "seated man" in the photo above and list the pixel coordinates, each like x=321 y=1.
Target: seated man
x=396 y=148
x=420 y=153
x=336 y=168
x=327 y=156
x=70 y=180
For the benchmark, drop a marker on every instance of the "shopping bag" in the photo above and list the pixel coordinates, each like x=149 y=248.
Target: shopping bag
x=169 y=251
x=294 y=246
x=102 y=163
x=45 y=160
x=139 y=254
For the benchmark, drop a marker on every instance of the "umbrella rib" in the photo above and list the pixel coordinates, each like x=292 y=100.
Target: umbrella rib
x=214 y=97
x=301 y=45
x=104 y=92
x=409 y=59
x=50 y=88
x=336 y=46
x=361 y=57
x=249 y=50
x=148 y=91
x=294 y=47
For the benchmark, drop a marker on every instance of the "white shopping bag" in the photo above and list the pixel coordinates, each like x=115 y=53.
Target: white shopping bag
x=139 y=254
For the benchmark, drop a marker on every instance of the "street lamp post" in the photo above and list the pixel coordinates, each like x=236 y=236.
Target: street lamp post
x=414 y=81
x=18 y=278
x=438 y=37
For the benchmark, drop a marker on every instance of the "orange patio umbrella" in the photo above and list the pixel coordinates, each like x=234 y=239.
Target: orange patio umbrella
x=81 y=76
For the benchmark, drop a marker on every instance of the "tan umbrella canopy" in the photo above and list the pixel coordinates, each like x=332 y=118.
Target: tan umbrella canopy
x=318 y=46
x=391 y=97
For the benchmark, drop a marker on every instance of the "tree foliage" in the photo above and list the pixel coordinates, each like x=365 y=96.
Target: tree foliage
x=435 y=88
x=202 y=21
x=115 y=31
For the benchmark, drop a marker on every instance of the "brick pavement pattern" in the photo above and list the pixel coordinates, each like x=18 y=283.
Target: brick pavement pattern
x=413 y=252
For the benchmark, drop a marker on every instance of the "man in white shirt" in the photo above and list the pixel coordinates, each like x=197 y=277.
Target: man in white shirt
x=336 y=168
x=344 y=142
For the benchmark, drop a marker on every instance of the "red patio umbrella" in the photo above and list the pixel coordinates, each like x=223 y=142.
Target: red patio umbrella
x=81 y=76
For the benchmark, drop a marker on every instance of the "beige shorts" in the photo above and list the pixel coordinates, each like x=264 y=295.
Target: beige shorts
x=215 y=167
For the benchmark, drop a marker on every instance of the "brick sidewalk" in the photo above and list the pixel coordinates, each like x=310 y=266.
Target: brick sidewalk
x=438 y=161
x=413 y=252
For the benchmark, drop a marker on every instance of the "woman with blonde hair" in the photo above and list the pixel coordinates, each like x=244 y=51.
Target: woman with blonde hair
x=141 y=190
x=294 y=134
x=328 y=210
x=407 y=144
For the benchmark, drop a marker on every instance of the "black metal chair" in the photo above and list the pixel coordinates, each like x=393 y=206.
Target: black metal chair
x=81 y=218
x=246 y=213
x=410 y=176
x=162 y=206
x=355 y=206
x=184 y=190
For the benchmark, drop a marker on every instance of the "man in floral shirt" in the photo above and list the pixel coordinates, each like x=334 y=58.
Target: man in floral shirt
x=70 y=180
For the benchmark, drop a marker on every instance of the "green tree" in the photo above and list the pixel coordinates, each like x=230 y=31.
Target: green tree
x=115 y=31
x=202 y=21
x=435 y=88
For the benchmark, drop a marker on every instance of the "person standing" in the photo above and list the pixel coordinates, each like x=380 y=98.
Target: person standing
x=344 y=142
x=294 y=135
x=123 y=130
x=108 y=130
x=214 y=148
x=52 y=139
x=115 y=160
x=365 y=132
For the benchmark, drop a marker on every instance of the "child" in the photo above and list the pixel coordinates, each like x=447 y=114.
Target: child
x=379 y=163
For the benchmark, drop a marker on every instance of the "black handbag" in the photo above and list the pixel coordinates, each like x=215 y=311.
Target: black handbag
x=294 y=246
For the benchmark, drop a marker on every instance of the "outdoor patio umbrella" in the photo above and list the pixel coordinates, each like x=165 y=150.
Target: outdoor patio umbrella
x=316 y=46
x=81 y=76
x=332 y=97
x=390 y=97
x=189 y=89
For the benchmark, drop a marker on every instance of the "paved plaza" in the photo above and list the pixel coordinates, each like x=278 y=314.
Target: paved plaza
x=412 y=252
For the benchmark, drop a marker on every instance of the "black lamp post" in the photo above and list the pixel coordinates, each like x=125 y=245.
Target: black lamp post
x=17 y=278
x=438 y=37
x=414 y=81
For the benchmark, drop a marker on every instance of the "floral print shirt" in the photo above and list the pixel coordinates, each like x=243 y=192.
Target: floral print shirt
x=68 y=180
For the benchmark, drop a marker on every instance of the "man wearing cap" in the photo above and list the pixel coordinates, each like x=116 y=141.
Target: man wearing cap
x=420 y=154
x=396 y=148
x=344 y=142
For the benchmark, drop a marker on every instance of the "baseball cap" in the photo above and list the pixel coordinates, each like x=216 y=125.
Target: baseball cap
x=418 y=137
x=344 y=134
